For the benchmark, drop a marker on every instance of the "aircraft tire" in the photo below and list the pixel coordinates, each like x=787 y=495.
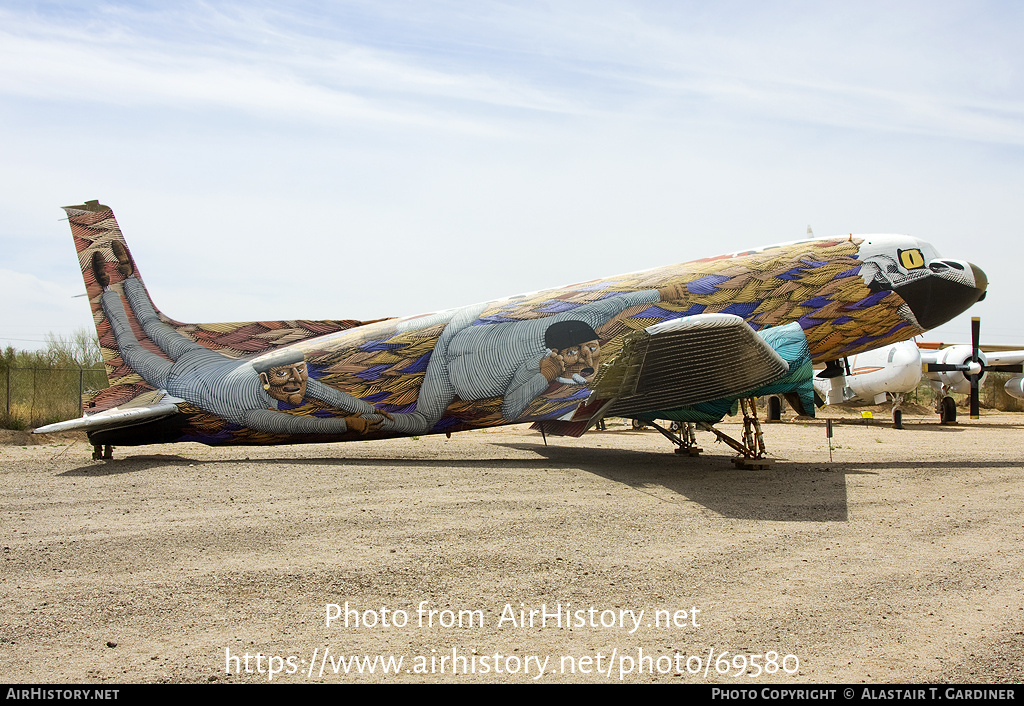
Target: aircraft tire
x=897 y=419
x=774 y=409
x=947 y=413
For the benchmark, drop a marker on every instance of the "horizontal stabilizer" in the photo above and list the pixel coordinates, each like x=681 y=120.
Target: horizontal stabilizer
x=686 y=361
x=559 y=427
x=125 y=416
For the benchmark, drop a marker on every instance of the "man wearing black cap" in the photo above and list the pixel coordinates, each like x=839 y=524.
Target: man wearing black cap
x=575 y=349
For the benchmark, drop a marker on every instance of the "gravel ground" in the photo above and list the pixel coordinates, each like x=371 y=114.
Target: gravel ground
x=899 y=560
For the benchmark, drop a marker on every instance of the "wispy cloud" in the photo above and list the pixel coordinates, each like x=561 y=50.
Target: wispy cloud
x=485 y=69
x=444 y=131
x=248 y=65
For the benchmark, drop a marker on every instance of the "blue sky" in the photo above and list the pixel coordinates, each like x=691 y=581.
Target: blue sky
x=368 y=159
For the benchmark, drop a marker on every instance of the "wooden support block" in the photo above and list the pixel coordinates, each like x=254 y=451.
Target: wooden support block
x=753 y=464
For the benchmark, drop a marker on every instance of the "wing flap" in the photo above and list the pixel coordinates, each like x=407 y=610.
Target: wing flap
x=686 y=361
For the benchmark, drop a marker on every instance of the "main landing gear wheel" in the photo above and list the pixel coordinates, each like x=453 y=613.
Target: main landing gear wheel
x=947 y=411
x=752 y=454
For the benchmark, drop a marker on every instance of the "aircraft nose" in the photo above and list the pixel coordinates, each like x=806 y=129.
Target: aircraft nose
x=980 y=281
x=950 y=288
x=906 y=353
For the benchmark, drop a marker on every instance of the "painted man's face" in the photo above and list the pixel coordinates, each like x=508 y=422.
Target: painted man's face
x=581 y=359
x=570 y=356
x=287 y=382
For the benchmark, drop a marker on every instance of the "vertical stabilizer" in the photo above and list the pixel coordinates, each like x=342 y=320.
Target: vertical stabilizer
x=112 y=279
x=106 y=263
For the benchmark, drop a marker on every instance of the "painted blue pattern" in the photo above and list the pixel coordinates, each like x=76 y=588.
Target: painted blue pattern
x=706 y=285
x=418 y=366
x=743 y=309
x=372 y=373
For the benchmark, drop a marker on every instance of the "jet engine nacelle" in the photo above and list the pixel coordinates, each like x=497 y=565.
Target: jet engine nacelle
x=1015 y=387
x=953 y=380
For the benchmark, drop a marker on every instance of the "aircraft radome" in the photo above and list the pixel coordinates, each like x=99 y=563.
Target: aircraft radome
x=680 y=343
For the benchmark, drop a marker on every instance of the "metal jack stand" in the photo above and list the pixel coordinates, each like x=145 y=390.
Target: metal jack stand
x=751 y=448
x=685 y=440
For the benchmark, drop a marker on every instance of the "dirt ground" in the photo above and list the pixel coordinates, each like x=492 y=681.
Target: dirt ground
x=898 y=560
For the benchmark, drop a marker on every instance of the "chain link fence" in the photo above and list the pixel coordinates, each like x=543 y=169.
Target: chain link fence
x=37 y=396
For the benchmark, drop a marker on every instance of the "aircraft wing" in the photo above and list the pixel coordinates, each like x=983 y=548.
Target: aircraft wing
x=144 y=408
x=1004 y=358
x=685 y=361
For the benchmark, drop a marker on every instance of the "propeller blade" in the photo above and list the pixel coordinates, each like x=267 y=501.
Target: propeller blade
x=975 y=406
x=975 y=337
x=943 y=368
x=1005 y=368
x=975 y=341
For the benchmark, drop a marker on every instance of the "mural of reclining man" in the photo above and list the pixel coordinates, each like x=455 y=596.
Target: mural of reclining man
x=244 y=392
x=514 y=360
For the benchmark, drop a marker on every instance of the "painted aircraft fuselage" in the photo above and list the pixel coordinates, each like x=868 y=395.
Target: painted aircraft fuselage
x=523 y=358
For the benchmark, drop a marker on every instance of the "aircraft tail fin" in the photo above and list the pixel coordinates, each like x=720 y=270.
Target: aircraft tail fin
x=107 y=264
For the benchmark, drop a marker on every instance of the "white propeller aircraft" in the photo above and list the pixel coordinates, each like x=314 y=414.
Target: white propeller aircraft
x=873 y=377
x=896 y=370
x=962 y=369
